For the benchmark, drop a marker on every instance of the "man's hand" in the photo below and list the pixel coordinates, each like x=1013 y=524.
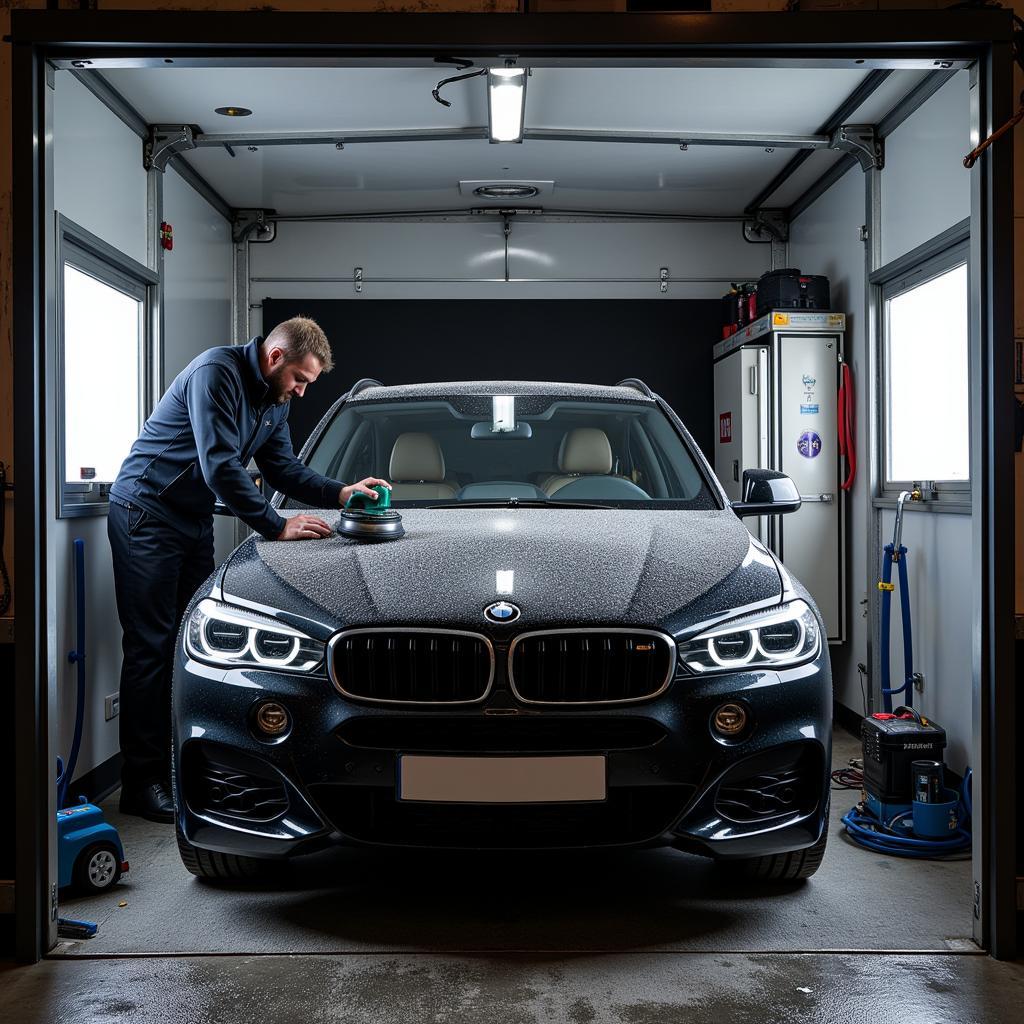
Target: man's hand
x=363 y=487
x=303 y=527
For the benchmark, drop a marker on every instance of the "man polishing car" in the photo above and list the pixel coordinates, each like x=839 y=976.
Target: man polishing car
x=228 y=406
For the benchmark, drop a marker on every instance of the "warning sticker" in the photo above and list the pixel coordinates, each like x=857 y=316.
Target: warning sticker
x=724 y=427
x=809 y=444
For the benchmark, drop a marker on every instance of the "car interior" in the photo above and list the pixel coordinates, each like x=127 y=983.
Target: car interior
x=559 y=451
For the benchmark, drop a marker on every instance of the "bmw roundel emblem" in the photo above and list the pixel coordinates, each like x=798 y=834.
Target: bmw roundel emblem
x=501 y=611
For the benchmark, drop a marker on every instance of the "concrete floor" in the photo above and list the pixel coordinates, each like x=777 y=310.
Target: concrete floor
x=362 y=901
x=643 y=988
x=635 y=938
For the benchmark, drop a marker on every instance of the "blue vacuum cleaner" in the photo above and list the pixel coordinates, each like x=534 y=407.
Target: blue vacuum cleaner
x=90 y=856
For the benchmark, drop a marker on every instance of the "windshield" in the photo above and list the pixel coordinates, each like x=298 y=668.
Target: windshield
x=527 y=449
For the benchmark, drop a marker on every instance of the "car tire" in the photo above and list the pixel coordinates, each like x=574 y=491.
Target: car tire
x=223 y=867
x=97 y=869
x=783 y=867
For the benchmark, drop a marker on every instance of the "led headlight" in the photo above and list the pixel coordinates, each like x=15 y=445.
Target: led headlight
x=224 y=635
x=774 y=639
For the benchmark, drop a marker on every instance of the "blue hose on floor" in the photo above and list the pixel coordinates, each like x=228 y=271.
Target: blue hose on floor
x=896 y=837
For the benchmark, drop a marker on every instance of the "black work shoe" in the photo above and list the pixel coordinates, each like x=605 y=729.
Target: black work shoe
x=152 y=801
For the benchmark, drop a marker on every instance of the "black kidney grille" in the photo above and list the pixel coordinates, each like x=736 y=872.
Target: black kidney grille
x=412 y=667
x=590 y=667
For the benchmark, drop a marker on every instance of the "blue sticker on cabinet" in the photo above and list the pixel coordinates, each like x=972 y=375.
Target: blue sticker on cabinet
x=809 y=444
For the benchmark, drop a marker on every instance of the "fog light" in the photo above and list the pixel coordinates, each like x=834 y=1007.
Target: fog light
x=729 y=720
x=271 y=719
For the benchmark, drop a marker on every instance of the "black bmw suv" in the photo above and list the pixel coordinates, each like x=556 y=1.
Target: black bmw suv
x=575 y=643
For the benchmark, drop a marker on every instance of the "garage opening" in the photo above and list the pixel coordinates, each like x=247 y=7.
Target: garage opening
x=746 y=248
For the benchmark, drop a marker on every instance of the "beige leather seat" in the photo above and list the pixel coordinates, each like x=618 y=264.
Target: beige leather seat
x=585 y=451
x=417 y=469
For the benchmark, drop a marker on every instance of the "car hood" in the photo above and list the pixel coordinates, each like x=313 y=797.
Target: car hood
x=667 y=569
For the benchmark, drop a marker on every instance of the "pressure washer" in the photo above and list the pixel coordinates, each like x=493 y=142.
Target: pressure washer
x=905 y=808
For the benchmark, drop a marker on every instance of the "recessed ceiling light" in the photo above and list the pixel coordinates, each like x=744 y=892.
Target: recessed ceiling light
x=506 y=191
x=233 y=111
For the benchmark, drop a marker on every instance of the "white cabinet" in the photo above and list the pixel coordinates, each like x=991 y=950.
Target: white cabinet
x=776 y=388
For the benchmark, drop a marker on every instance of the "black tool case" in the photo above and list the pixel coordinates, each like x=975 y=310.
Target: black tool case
x=890 y=745
x=789 y=289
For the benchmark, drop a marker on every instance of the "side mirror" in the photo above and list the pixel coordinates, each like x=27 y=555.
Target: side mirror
x=766 y=493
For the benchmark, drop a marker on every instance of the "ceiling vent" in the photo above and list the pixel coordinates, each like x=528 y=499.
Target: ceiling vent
x=503 y=191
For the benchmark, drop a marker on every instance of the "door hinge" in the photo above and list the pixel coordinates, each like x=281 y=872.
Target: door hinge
x=864 y=233
x=357 y=279
x=663 y=279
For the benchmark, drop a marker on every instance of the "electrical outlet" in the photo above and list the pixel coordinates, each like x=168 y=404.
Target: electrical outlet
x=111 y=706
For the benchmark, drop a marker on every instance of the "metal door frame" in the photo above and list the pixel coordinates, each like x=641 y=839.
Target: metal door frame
x=867 y=40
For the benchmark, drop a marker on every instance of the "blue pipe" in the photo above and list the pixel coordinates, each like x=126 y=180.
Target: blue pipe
x=65 y=773
x=886 y=612
x=907 y=686
x=908 y=639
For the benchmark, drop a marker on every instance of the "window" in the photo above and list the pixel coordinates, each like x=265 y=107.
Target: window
x=102 y=320
x=926 y=397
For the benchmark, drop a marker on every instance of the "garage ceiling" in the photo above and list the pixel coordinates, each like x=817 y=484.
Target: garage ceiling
x=588 y=176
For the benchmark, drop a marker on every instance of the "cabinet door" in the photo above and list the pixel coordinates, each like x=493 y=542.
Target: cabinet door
x=810 y=540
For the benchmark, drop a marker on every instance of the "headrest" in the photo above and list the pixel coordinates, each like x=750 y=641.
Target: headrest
x=417 y=457
x=585 y=450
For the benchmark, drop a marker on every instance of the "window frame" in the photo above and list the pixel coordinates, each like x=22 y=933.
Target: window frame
x=934 y=258
x=89 y=254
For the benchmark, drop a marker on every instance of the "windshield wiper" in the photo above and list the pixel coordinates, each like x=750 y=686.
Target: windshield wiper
x=519 y=503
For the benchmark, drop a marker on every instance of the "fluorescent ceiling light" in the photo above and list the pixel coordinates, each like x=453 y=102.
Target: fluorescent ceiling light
x=506 y=103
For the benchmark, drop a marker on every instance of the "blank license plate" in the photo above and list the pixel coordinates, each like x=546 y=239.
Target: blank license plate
x=502 y=780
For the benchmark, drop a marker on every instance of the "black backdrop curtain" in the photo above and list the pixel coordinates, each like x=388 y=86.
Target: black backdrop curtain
x=667 y=343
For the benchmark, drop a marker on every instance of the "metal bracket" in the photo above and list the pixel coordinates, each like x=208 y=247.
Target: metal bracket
x=165 y=141
x=769 y=226
x=253 y=226
x=663 y=278
x=862 y=142
x=357 y=280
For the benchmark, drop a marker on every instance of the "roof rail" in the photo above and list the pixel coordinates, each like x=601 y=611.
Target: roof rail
x=362 y=384
x=637 y=384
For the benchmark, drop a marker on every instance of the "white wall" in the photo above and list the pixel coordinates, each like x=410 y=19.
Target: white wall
x=197 y=294
x=826 y=240
x=100 y=184
x=543 y=250
x=925 y=186
x=924 y=191
x=98 y=178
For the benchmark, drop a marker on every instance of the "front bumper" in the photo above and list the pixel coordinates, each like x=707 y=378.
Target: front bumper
x=332 y=777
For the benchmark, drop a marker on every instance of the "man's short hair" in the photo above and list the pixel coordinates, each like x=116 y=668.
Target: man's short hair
x=300 y=337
